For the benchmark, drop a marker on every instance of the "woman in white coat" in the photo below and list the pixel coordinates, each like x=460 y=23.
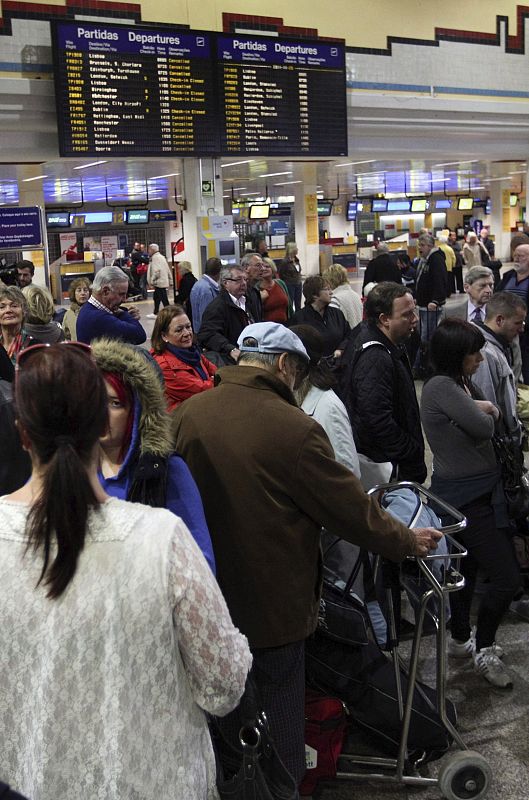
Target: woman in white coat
x=115 y=637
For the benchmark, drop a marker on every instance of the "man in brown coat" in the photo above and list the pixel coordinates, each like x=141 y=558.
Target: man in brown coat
x=269 y=483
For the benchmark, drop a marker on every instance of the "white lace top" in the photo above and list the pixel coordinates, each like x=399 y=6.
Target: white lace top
x=101 y=690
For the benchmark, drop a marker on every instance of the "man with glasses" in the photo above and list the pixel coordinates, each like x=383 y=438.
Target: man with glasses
x=269 y=482
x=226 y=316
x=377 y=384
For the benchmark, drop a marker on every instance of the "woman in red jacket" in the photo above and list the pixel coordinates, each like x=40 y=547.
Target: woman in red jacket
x=185 y=370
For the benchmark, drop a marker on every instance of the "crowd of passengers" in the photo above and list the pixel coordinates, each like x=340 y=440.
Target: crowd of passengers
x=161 y=509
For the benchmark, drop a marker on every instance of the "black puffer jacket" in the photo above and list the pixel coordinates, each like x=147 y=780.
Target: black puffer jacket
x=379 y=393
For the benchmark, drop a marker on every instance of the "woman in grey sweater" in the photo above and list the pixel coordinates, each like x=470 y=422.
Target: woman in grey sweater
x=459 y=425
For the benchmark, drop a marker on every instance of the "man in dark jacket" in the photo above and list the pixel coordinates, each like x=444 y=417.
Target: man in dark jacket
x=517 y=281
x=269 y=482
x=430 y=286
x=378 y=388
x=226 y=316
x=382 y=268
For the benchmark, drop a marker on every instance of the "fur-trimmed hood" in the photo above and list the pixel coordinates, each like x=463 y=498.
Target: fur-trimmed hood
x=141 y=373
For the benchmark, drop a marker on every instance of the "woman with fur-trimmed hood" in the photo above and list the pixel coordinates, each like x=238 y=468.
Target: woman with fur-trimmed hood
x=138 y=462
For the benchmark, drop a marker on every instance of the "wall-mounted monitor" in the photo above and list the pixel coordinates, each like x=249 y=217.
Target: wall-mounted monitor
x=419 y=205
x=351 y=211
x=324 y=208
x=138 y=216
x=488 y=206
x=513 y=200
x=401 y=206
x=443 y=205
x=259 y=211
x=465 y=204
x=378 y=206
x=92 y=218
x=57 y=219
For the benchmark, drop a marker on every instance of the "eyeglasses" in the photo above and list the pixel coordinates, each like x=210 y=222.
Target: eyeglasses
x=24 y=354
x=181 y=329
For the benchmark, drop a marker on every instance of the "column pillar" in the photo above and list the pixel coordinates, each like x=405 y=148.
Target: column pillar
x=500 y=218
x=196 y=173
x=306 y=218
x=32 y=194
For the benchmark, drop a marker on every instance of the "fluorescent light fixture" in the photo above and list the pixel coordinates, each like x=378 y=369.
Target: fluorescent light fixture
x=286 y=183
x=456 y=163
x=490 y=180
x=476 y=188
x=92 y=164
x=36 y=178
x=354 y=163
x=235 y=163
x=239 y=188
x=226 y=195
x=251 y=194
x=274 y=174
x=169 y=175
x=518 y=172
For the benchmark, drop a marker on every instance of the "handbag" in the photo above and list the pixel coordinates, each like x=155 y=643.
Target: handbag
x=253 y=771
x=514 y=475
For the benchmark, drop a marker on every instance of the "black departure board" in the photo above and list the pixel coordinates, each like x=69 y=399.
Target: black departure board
x=131 y=91
x=141 y=91
x=281 y=97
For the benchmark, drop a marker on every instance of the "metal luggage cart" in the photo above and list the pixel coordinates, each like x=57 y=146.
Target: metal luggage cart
x=465 y=774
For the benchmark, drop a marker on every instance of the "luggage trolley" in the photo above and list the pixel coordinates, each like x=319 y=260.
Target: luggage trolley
x=466 y=774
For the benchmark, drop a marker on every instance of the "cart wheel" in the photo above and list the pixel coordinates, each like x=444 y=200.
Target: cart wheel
x=466 y=776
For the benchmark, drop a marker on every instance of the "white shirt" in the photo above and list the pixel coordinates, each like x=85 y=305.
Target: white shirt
x=102 y=690
x=239 y=301
x=471 y=310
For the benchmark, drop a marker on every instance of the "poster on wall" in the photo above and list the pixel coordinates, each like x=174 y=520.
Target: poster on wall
x=68 y=247
x=109 y=246
x=92 y=243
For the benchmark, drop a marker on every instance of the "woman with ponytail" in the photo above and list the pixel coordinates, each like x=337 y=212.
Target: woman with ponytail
x=115 y=637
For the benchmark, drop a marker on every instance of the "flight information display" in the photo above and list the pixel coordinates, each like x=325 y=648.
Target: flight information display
x=134 y=91
x=281 y=97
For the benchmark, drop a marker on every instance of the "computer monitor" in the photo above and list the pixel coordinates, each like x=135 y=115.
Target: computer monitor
x=259 y=211
x=465 y=204
x=443 y=205
x=227 y=247
x=378 y=206
x=138 y=216
x=324 y=208
x=419 y=205
x=402 y=206
x=57 y=219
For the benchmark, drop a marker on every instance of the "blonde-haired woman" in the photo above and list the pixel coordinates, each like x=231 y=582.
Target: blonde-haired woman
x=343 y=296
x=40 y=313
x=290 y=272
x=79 y=294
x=187 y=281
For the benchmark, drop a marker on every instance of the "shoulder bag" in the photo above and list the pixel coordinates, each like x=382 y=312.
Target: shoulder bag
x=254 y=770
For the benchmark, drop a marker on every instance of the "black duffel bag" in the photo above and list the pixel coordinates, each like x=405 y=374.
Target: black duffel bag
x=364 y=679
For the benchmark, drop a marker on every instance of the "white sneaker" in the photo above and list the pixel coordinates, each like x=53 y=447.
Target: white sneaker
x=489 y=665
x=151 y=316
x=463 y=649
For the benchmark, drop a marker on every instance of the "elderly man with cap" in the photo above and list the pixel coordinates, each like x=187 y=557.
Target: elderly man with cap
x=269 y=482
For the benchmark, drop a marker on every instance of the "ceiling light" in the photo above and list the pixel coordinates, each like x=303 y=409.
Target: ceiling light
x=503 y=178
x=518 y=172
x=456 y=163
x=169 y=175
x=235 y=163
x=92 y=164
x=36 y=178
x=286 y=183
x=239 y=188
x=251 y=194
x=274 y=174
x=354 y=163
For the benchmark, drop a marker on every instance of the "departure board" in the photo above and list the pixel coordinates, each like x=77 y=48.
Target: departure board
x=132 y=91
x=280 y=97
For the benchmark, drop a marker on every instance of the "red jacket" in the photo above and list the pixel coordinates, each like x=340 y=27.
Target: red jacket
x=181 y=380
